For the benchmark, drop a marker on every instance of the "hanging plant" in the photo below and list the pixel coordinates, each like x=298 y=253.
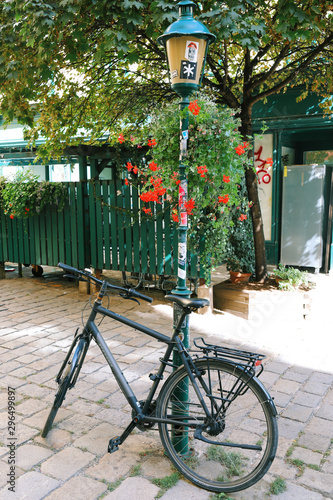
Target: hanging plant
x=215 y=161
x=25 y=196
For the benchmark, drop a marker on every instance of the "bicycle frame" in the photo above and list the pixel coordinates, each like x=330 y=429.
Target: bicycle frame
x=174 y=342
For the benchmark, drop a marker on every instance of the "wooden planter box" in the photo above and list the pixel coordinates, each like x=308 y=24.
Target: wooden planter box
x=255 y=304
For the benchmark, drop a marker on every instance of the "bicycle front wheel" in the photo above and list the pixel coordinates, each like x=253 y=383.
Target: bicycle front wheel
x=233 y=446
x=65 y=384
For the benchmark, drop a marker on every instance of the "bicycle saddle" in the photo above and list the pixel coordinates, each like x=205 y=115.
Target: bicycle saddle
x=184 y=302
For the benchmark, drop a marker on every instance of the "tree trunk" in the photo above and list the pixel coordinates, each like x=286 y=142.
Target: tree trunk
x=253 y=195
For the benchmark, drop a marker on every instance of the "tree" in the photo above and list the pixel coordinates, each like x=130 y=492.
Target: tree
x=96 y=63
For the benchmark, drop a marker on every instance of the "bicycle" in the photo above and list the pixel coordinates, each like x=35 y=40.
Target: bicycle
x=217 y=422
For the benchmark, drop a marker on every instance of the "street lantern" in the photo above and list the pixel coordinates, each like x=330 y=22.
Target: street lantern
x=186 y=42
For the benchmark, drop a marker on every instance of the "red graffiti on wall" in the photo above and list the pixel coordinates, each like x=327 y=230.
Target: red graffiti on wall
x=263 y=166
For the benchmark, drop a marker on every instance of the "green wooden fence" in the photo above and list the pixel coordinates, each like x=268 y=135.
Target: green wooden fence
x=102 y=226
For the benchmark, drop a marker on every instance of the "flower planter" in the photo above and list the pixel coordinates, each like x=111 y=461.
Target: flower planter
x=257 y=305
x=236 y=277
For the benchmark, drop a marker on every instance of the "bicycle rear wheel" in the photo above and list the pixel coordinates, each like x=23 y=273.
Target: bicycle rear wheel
x=244 y=420
x=65 y=383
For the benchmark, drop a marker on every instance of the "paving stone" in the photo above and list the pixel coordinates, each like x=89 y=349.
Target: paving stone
x=307 y=456
x=30 y=406
x=23 y=433
x=325 y=411
x=134 y=487
x=289 y=428
x=276 y=367
x=33 y=390
x=97 y=440
x=78 y=423
x=296 y=492
x=320 y=426
x=56 y=439
x=95 y=394
x=283 y=446
x=328 y=464
x=184 y=489
x=112 y=467
x=66 y=463
x=315 y=441
x=307 y=399
x=86 y=407
x=297 y=412
x=317 y=481
x=315 y=388
x=78 y=488
x=156 y=466
x=296 y=376
x=31 y=486
x=38 y=420
x=29 y=455
x=286 y=386
x=269 y=378
x=324 y=378
x=5 y=469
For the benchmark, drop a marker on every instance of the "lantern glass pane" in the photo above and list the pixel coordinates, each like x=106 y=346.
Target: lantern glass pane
x=185 y=55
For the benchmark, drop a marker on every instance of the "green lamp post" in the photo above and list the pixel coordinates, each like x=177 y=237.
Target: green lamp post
x=186 y=42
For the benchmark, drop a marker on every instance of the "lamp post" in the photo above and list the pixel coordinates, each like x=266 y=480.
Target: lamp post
x=186 y=42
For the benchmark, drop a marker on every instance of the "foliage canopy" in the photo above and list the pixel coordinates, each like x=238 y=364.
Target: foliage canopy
x=89 y=63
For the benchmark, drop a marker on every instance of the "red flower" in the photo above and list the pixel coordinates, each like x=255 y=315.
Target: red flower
x=226 y=178
x=153 y=166
x=242 y=217
x=194 y=107
x=202 y=170
x=223 y=199
x=126 y=181
x=151 y=142
x=175 y=217
x=121 y=138
x=129 y=166
x=189 y=206
x=147 y=211
x=11 y=216
x=240 y=150
x=135 y=169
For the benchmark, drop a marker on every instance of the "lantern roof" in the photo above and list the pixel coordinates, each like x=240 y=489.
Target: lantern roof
x=186 y=25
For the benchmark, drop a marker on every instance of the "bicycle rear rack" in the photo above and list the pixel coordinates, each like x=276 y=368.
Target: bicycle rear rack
x=249 y=361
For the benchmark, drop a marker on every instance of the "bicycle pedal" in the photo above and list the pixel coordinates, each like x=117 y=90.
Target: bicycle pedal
x=114 y=444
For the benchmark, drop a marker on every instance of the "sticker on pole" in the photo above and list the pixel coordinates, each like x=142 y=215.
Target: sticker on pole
x=181 y=273
x=188 y=70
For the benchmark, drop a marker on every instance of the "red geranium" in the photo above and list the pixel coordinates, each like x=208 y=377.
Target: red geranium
x=223 y=199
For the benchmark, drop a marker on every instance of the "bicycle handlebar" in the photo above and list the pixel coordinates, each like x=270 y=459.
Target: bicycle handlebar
x=129 y=292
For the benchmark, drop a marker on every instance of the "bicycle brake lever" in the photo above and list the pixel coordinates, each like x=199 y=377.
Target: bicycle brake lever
x=127 y=297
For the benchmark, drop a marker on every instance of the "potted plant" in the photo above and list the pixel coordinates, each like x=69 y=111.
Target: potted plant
x=289 y=278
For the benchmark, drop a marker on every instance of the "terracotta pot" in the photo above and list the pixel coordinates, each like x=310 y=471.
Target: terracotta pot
x=236 y=277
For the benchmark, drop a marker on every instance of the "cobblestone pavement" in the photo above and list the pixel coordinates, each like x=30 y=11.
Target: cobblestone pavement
x=38 y=319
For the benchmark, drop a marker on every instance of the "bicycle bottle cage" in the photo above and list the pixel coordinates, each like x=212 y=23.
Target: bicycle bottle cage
x=247 y=360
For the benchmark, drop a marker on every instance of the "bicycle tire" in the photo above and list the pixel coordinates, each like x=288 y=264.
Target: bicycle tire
x=245 y=418
x=64 y=385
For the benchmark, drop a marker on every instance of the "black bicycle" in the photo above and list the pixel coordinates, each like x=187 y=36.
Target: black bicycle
x=217 y=422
